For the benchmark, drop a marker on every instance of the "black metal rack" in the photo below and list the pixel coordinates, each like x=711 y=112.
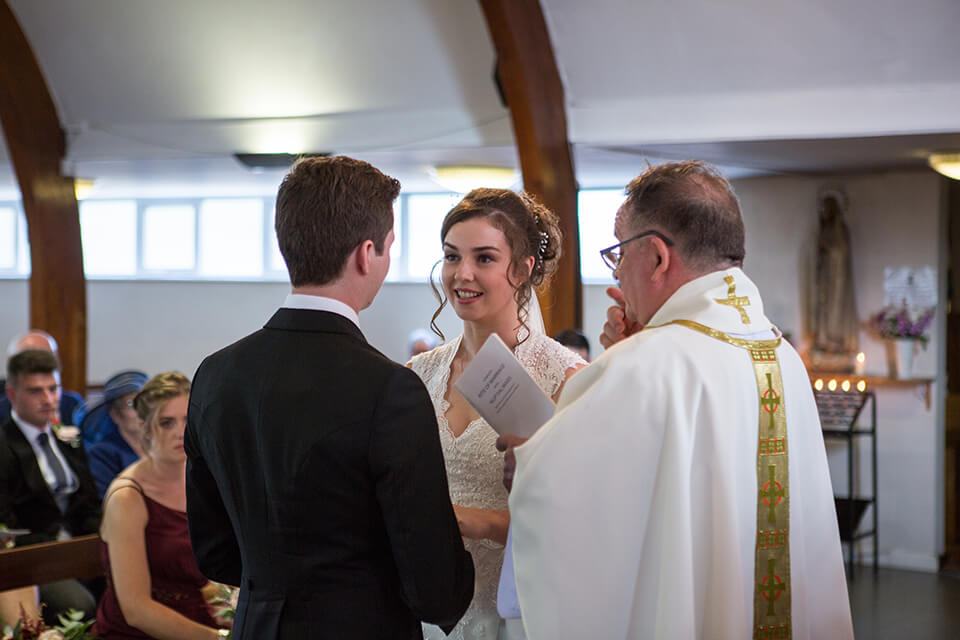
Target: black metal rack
x=840 y=412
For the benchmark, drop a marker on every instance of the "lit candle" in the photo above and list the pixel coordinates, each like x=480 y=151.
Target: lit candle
x=832 y=385
x=860 y=364
x=861 y=386
x=845 y=385
x=818 y=385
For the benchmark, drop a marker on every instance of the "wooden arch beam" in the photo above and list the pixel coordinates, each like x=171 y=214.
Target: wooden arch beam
x=534 y=94
x=36 y=144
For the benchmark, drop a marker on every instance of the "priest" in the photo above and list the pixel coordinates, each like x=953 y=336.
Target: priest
x=681 y=490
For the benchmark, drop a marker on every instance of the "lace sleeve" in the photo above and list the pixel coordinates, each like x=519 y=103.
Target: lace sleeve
x=547 y=361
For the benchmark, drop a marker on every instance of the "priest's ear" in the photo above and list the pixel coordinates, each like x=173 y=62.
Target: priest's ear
x=662 y=258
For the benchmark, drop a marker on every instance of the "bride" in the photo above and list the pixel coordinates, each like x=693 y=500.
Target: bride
x=497 y=246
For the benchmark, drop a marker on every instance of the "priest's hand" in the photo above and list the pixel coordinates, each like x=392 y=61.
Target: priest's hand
x=506 y=443
x=618 y=326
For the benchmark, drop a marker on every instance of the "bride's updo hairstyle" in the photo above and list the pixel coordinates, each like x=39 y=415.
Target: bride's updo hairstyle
x=158 y=390
x=530 y=229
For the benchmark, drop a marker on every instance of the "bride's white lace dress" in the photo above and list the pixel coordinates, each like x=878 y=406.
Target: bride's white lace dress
x=475 y=468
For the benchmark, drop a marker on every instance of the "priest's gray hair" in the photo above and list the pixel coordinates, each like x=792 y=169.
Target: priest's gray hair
x=695 y=206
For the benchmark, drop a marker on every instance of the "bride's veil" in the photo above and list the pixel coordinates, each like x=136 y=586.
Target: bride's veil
x=533 y=316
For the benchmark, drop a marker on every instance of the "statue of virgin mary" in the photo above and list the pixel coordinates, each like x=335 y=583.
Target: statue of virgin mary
x=832 y=324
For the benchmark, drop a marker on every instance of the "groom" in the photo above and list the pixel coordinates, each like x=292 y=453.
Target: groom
x=315 y=477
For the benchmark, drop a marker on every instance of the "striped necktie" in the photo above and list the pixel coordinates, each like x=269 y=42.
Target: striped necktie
x=43 y=440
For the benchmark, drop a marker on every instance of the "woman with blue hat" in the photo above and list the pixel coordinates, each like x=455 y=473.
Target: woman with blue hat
x=114 y=429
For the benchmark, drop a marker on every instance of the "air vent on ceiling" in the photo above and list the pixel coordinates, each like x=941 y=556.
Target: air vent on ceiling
x=272 y=160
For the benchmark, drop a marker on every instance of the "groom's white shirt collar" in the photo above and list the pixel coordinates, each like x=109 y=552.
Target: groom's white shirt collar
x=320 y=303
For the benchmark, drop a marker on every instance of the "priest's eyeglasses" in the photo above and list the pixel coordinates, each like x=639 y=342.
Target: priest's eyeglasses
x=613 y=255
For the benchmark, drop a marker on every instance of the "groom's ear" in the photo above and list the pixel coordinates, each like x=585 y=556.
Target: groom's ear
x=363 y=256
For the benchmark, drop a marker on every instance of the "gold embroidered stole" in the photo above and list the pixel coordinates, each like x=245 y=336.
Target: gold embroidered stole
x=771 y=593
x=771 y=601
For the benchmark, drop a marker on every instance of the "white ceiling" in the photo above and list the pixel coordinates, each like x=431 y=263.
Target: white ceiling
x=159 y=95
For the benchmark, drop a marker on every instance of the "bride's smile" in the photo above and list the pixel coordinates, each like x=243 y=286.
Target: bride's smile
x=466 y=295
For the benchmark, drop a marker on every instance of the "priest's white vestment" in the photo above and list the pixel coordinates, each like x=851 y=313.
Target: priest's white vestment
x=635 y=509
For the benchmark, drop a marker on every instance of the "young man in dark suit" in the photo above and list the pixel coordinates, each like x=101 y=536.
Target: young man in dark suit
x=45 y=483
x=72 y=407
x=315 y=477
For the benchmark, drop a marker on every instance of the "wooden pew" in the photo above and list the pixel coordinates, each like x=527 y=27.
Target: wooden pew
x=51 y=561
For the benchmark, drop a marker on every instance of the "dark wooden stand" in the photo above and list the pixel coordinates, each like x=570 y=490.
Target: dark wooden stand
x=840 y=413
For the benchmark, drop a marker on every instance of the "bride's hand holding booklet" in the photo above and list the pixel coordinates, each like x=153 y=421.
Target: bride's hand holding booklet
x=502 y=392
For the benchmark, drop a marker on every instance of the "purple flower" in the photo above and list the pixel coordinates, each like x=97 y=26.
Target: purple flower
x=903 y=322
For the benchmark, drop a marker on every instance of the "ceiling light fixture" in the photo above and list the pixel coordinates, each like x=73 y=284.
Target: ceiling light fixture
x=947 y=164
x=464 y=178
x=82 y=187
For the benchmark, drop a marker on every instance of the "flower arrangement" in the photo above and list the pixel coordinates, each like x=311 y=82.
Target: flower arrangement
x=903 y=323
x=71 y=627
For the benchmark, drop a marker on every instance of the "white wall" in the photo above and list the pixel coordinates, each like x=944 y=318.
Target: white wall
x=159 y=326
x=14 y=313
x=894 y=219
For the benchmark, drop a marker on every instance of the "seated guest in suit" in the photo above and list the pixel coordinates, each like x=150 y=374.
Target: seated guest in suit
x=72 y=407
x=114 y=428
x=154 y=589
x=45 y=483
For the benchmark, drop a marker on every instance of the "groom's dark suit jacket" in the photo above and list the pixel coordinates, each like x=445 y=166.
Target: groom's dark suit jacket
x=316 y=482
x=25 y=498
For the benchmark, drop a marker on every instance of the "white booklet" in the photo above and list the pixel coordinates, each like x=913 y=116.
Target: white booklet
x=501 y=390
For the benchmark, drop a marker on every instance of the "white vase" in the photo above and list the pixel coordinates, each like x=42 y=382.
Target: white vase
x=900 y=354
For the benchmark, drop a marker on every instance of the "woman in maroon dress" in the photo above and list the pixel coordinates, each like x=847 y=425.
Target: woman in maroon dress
x=154 y=589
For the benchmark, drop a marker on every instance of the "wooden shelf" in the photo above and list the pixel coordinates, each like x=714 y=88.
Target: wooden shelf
x=875 y=382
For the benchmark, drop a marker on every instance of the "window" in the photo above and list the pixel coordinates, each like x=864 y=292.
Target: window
x=108 y=230
x=276 y=262
x=597 y=209
x=8 y=238
x=23 y=247
x=396 y=250
x=398 y=264
x=231 y=238
x=14 y=250
x=234 y=238
x=424 y=216
x=169 y=237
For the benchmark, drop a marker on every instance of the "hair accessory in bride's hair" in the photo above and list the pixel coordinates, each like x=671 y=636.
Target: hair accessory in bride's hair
x=544 y=241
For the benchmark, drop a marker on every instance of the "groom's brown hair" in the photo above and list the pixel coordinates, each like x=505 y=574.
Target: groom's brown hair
x=326 y=207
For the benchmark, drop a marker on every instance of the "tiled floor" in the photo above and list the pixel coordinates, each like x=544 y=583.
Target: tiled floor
x=905 y=605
